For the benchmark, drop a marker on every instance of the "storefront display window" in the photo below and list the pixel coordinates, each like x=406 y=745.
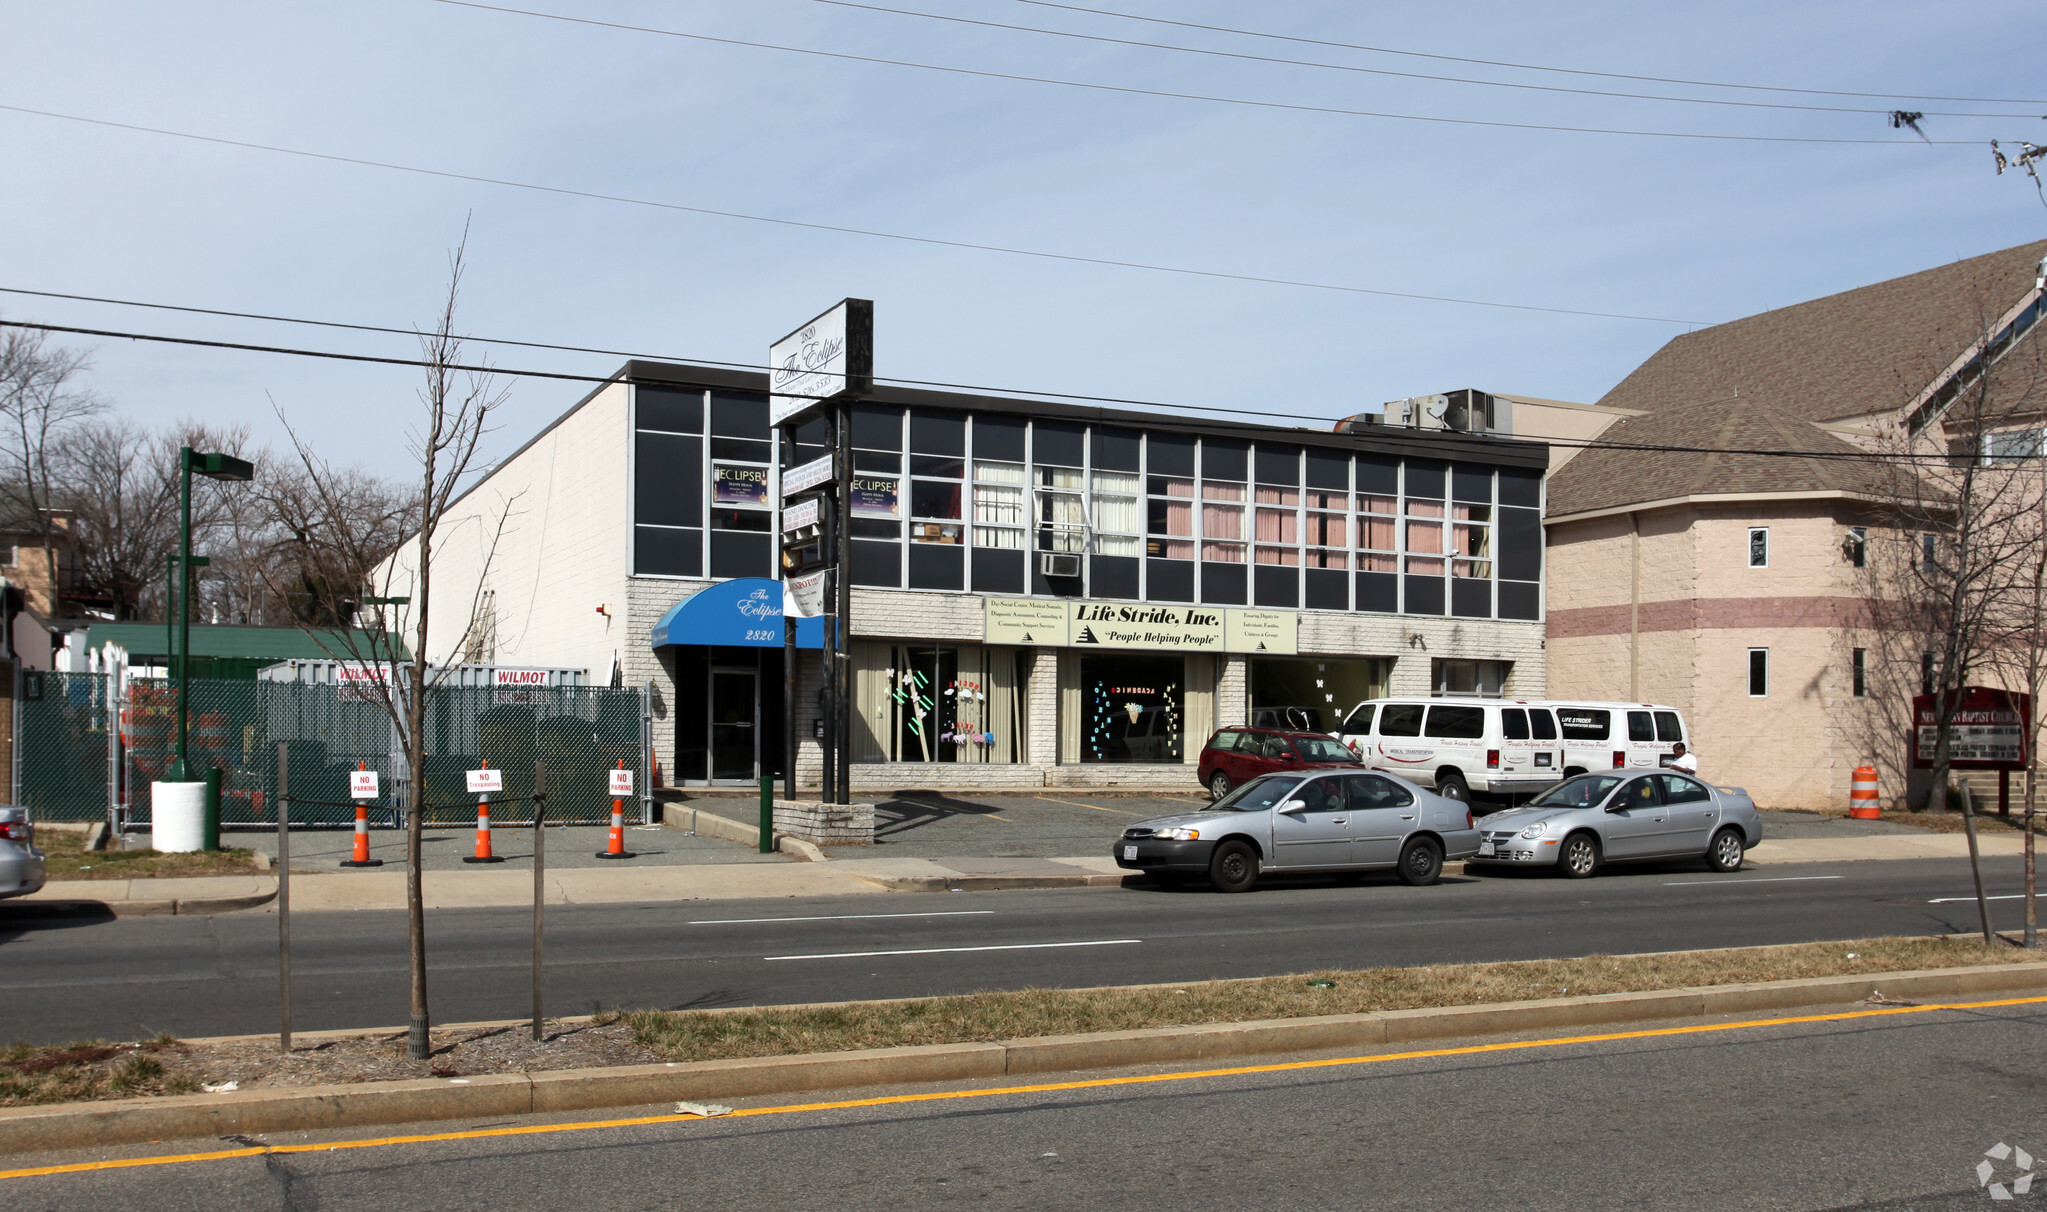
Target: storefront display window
x=1133 y=708
x=940 y=703
x=1312 y=694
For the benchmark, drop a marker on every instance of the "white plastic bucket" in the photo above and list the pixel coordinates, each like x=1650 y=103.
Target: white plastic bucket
x=177 y=817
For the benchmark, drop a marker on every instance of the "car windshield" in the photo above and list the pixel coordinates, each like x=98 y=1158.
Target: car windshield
x=1581 y=792
x=1322 y=749
x=1258 y=794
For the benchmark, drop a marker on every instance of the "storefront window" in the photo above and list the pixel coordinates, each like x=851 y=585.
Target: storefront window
x=941 y=703
x=1133 y=708
x=1313 y=695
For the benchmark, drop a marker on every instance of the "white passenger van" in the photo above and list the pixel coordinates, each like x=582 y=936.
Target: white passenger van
x=1507 y=748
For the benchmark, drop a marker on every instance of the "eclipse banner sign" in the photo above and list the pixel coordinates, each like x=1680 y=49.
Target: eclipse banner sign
x=828 y=357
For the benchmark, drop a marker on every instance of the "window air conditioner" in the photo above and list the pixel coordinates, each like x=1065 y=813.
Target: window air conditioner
x=1059 y=563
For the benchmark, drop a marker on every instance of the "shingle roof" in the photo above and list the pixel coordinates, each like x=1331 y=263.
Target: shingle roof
x=1762 y=382
x=1858 y=352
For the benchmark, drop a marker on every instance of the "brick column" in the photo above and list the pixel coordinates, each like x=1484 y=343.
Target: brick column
x=1232 y=702
x=1041 y=733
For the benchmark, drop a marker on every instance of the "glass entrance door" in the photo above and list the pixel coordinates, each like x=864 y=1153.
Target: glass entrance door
x=734 y=752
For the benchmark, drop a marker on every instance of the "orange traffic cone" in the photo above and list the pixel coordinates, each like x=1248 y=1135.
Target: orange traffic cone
x=483 y=854
x=617 y=850
x=362 y=833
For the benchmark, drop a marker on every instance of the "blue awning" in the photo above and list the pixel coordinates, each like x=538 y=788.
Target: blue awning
x=745 y=612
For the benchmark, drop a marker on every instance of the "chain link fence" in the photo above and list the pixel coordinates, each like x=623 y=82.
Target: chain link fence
x=63 y=751
x=67 y=770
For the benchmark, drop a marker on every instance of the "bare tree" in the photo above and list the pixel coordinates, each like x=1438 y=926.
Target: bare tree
x=456 y=409
x=41 y=403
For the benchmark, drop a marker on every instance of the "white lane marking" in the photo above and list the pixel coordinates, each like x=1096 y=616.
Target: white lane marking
x=843 y=917
x=1775 y=879
x=1949 y=900
x=1101 y=942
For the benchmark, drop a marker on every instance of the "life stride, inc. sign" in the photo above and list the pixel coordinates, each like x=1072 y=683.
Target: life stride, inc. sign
x=828 y=357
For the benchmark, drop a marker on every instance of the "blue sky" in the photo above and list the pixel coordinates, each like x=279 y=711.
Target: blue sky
x=1691 y=229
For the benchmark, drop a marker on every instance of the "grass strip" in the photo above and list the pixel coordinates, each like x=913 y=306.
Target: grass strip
x=88 y=1069
x=697 y=1035
x=66 y=858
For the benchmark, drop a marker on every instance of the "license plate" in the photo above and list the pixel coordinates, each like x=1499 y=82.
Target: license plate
x=1485 y=849
x=1130 y=852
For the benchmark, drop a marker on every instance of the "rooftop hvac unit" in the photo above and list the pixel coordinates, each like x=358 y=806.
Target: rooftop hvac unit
x=1059 y=563
x=1419 y=412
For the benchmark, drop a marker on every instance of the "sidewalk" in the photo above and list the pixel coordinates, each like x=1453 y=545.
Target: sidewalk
x=861 y=874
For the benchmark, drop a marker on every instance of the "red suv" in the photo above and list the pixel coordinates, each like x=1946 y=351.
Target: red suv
x=1235 y=756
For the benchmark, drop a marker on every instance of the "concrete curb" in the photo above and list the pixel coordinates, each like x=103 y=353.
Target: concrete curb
x=183 y=907
x=710 y=824
x=313 y=1108
x=993 y=883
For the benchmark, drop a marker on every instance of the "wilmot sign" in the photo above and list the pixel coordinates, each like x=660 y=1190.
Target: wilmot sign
x=1070 y=624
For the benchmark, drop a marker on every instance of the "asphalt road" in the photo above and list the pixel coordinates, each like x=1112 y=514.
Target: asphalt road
x=1890 y=1112
x=67 y=978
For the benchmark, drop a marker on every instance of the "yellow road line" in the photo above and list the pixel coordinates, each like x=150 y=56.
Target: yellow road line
x=1095 y=1083
x=1096 y=807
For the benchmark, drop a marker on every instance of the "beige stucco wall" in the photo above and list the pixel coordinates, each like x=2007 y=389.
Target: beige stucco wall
x=1700 y=610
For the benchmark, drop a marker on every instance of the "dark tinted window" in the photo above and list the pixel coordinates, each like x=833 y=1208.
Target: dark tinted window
x=1116 y=449
x=1328 y=469
x=1225 y=740
x=1401 y=719
x=938 y=433
x=1057 y=443
x=1321 y=795
x=1279 y=465
x=1425 y=480
x=1472 y=484
x=999 y=438
x=1251 y=742
x=668 y=409
x=1278 y=747
x=1457 y=723
x=1222 y=459
x=1374 y=791
x=1667 y=727
x=1361 y=719
x=1639 y=794
x=877 y=428
x=739 y=416
x=1513 y=723
x=1171 y=454
x=1584 y=723
x=1520 y=486
x=1542 y=724
x=1677 y=789
x=1324 y=749
x=1639 y=728
x=1378 y=475
x=668 y=480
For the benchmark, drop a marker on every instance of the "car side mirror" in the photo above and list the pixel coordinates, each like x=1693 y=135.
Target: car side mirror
x=1617 y=806
x=1294 y=806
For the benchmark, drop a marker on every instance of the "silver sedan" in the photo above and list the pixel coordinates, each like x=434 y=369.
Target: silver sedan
x=1339 y=820
x=21 y=864
x=1584 y=822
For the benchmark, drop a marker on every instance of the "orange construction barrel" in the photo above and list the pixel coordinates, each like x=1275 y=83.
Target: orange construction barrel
x=1862 y=801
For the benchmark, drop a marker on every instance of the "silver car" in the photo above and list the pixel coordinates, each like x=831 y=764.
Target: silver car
x=21 y=864
x=1584 y=822
x=1339 y=820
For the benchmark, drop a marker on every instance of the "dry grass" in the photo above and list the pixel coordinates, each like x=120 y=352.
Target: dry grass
x=986 y=1017
x=89 y=1069
x=1946 y=822
x=66 y=858
x=94 y=1069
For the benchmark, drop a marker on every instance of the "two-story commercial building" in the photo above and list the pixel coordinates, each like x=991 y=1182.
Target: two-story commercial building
x=1045 y=594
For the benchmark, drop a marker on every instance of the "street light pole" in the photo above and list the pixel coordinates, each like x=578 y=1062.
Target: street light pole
x=218 y=467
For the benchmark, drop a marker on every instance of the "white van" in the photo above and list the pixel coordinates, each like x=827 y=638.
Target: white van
x=1501 y=747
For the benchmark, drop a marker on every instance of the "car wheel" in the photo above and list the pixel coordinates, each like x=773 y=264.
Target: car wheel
x=1234 y=867
x=1725 y=853
x=1421 y=862
x=1580 y=856
x=1453 y=787
x=1218 y=784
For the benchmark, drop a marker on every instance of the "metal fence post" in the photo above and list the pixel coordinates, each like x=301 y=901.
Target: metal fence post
x=284 y=897
x=113 y=707
x=646 y=771
x=539 y=882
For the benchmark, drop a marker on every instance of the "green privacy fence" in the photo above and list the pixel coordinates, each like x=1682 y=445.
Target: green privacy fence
x=579 y=732
x=64 y=760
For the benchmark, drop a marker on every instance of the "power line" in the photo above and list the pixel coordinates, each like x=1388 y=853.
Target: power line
x=1131 y=90
x=476 y=368
x=839 y=229
x=1529 y=67
x=1380 y=71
